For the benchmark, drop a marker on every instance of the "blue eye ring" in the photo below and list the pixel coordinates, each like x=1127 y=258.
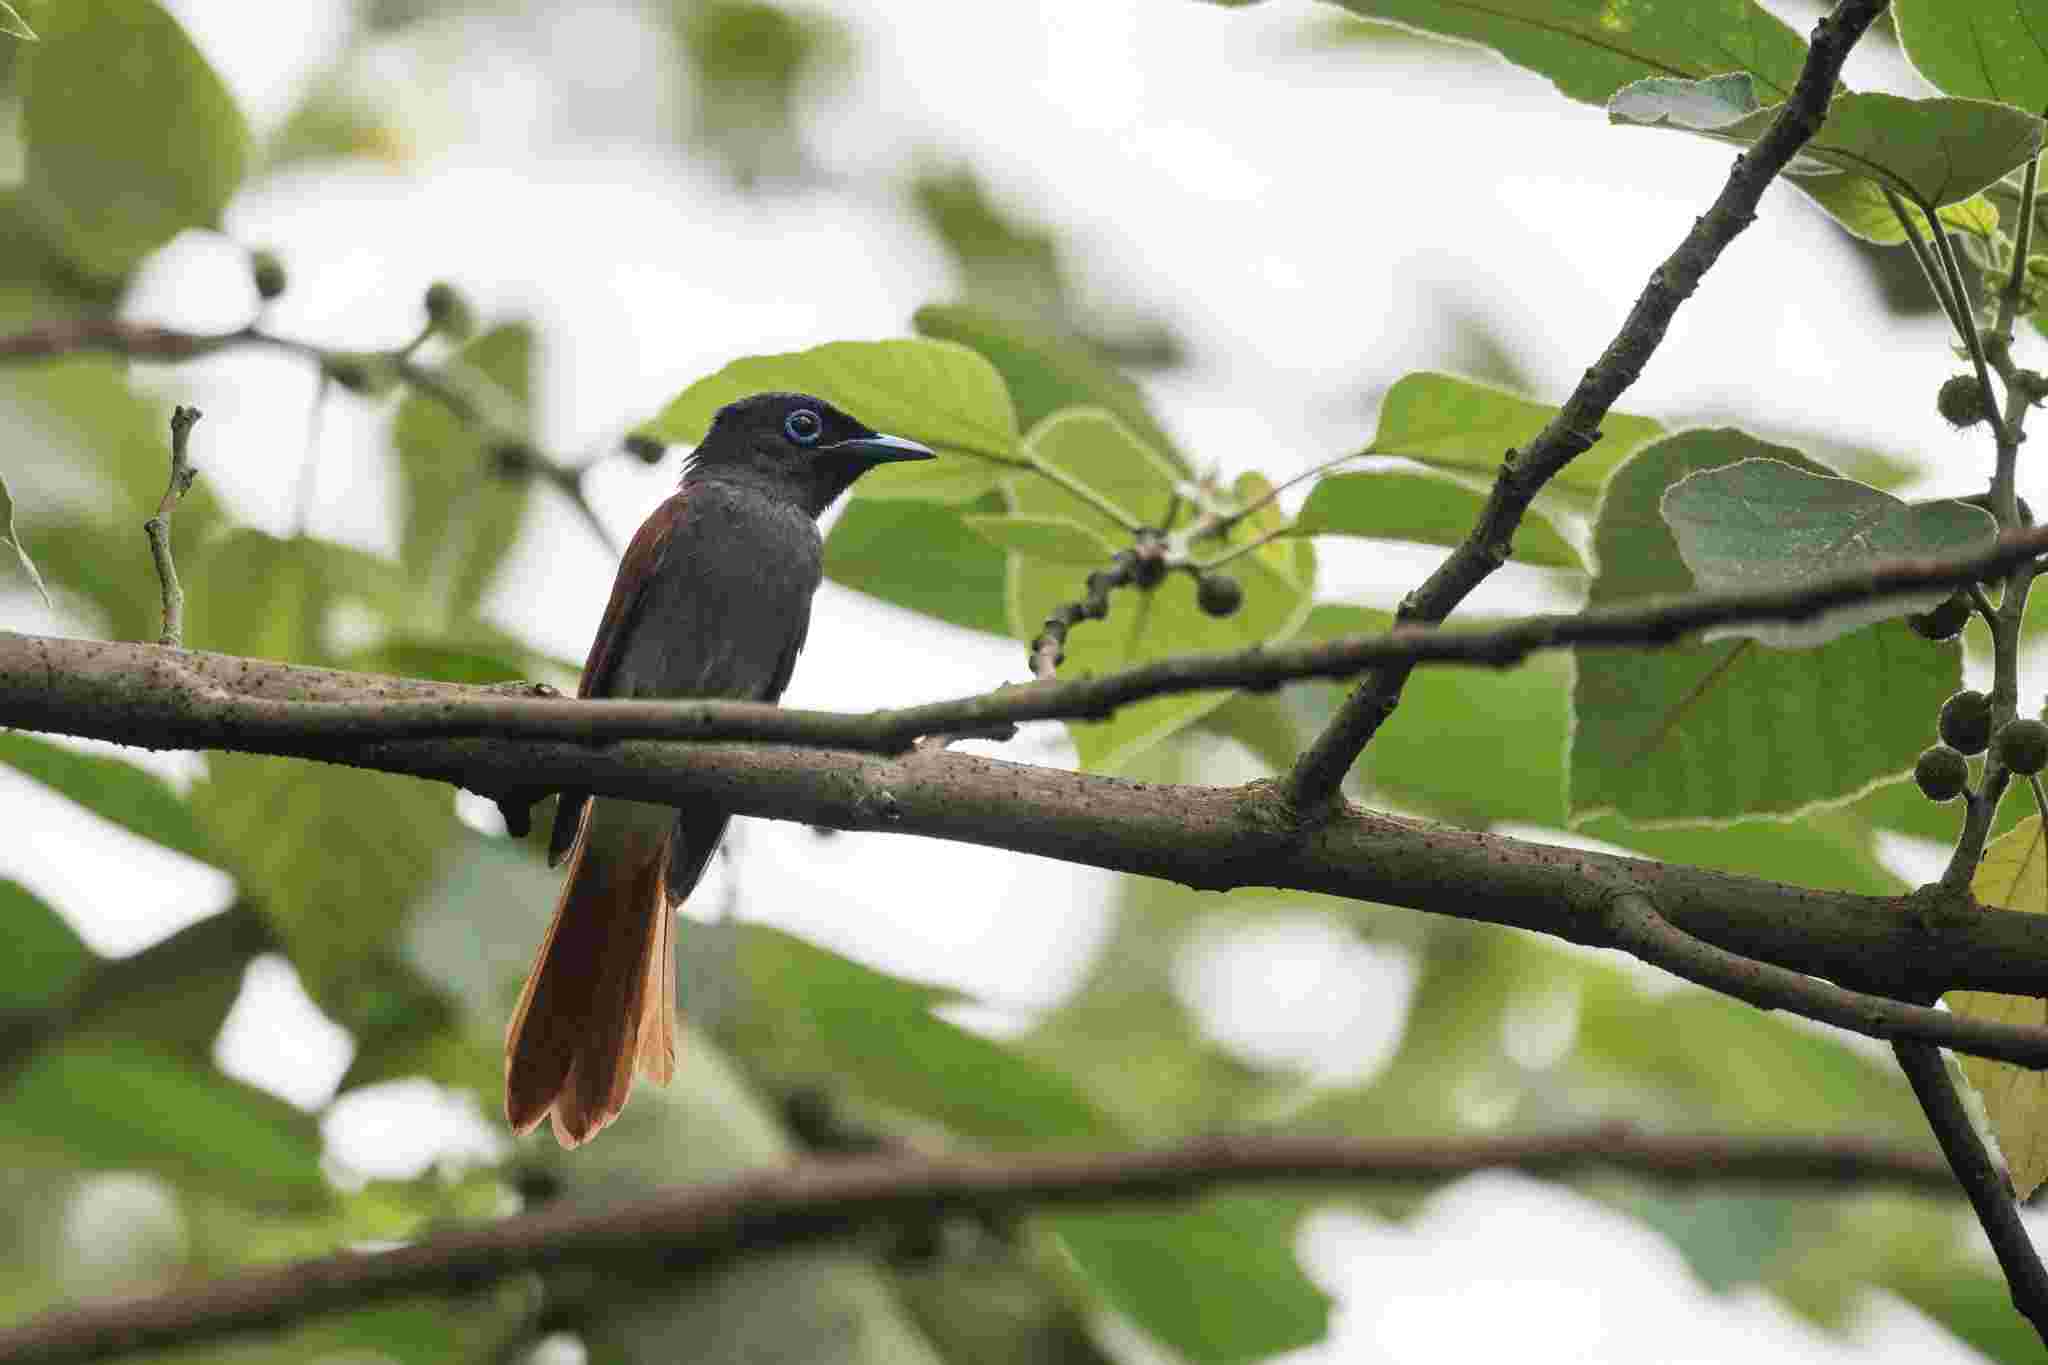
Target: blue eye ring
x=803 y=427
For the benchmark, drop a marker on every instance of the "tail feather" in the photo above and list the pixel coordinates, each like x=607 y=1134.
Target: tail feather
x=600 y=1001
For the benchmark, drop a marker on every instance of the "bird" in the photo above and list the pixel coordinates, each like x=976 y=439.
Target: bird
x=712 y=599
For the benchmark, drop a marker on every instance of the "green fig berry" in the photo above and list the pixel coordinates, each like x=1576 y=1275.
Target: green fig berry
x=449 y=312
x=1965 y=724
x=1962 y=401
x=644 y=448
x=1219 y=594
x=267 y=272
x=1945 y=621
x=2022 y=745
x=1941 y=773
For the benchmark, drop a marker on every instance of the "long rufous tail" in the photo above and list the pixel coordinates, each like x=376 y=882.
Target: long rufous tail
x=600 y=1001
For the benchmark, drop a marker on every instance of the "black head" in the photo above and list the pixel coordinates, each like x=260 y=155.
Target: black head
x=795 y=446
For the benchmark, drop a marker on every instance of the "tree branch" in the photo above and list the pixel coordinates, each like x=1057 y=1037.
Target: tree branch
x=1990 y=1196
x=1207 y=837
x=706 y=1225
x=1638 y=928
x=386 y=710
x=1321 y=768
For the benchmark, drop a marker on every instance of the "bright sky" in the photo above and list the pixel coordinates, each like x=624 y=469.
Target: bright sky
x=1307 y=220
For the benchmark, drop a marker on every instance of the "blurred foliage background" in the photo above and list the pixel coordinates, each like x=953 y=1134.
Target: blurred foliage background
x=131 y=1160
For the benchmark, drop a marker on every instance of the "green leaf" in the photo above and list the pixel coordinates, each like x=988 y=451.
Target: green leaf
x=10 y=538
x=175 y=993
x=138 y=801
x=936 y=392
x=1725 y=729
x=1046 y=372
x=1981 y=49
x=122 y=1104
x=1091 y=447
x=106 y=182
x=1591 y=48
x=813 y=1016
x=2013 y=876
x=1394 y=504
x=12 y=24
x=1059 y=540
x=1932 y=151
x=334 y=856
x=45 y=958
x=1461 y=427
x=1218 y=1283
x=920 y=555
x=1760 y=523
x=456 y=517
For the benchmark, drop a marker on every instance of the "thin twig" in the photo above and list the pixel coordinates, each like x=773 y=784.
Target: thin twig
x=158 y=527
x=2023 y=243
x=1321 y=769
x=705 y=1225
x=471 y=398
x=1990 y=1195
x=1636 y=926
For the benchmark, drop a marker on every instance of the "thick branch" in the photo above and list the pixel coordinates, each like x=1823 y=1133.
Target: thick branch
x=210 y=682
x=708 y=1224
x=1321 y=768
x=1207 y=837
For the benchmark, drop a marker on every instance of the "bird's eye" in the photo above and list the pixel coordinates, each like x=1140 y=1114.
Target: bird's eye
x=803 y=426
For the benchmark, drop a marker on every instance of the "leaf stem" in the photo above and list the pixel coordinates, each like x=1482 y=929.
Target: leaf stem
x=1937 y=282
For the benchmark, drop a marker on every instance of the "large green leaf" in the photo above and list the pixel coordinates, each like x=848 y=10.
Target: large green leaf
x=1091 y=447
x=921 y=555
x=1932 y=151
x=815 y=1017
x=138 y=801
x=456 y=518
x=936 y=392
x=1981 y=49
x=334 y=856
x=123 y=1103
x=1046 y=372
x=1393 y=504
x=1480 y=747
x=1058 y=540
x=12 y=24
x=132 y=137
x=1731 y=728
x=1218 y=1283
x=1760 y=523
x=45 y=958
x=1591 y=48
x=1462 y=427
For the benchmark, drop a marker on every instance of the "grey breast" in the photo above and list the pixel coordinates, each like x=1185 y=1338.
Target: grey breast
x=732 y=597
